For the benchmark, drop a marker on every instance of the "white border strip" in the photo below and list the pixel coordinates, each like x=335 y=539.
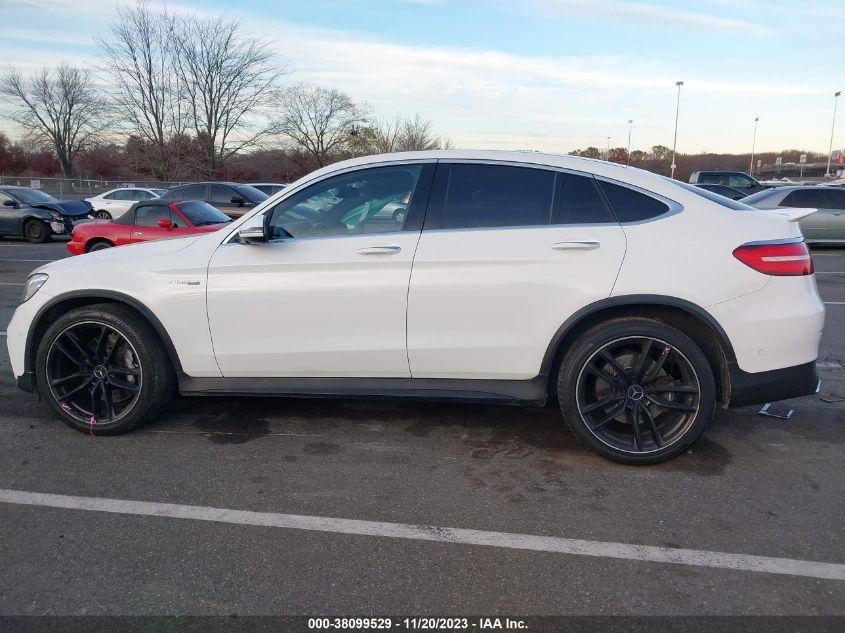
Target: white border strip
x=741 y=562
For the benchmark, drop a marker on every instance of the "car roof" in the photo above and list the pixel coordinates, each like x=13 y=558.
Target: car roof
x=207 y=182
x=613 y=171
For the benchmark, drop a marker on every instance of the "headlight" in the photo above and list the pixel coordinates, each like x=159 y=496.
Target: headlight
x=55 y=215
x=33 y=283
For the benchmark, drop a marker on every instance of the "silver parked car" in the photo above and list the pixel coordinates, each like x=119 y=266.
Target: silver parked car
x=825 y=225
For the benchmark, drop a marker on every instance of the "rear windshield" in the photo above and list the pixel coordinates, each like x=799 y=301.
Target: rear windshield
x=735 y=205
x=201 y=213
x=250 y=194
x=760 y=195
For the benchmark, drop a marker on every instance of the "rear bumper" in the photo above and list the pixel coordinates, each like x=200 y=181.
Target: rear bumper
x=770 y=386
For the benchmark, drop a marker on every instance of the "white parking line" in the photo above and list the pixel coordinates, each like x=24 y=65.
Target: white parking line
x=2 y=334
x=29 y=260
x=834 y=303
x=828 y=272
x=4 y=283
x=699 y=558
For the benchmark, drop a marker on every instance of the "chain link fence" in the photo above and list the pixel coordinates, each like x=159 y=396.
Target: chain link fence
x=78 y=188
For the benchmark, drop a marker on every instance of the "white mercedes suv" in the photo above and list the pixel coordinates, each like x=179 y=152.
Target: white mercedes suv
x=638 y=303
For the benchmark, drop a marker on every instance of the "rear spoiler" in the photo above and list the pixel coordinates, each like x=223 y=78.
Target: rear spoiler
x=792 y=214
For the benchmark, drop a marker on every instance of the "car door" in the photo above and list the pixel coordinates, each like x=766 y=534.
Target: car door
x=10 y=215
x=326 y=296
x=507 y=254
x=814 y=226
x=146 y=223
x=834 y=203
x=221 y=196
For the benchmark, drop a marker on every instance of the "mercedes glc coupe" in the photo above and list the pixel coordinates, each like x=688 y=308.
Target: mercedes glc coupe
x=634 y=302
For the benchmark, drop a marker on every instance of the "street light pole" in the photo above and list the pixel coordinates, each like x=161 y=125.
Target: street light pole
x=832 y=129
x=753 y=147
x=628 y=159
x=607 y=156
x=677 y=112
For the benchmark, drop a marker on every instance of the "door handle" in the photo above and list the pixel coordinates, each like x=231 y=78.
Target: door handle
x=578 y=245
x=137 y=233
x=380 y=250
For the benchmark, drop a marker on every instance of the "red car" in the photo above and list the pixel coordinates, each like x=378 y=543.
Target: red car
x=147 y=220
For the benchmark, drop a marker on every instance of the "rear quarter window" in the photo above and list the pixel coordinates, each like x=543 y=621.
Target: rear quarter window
x=632 y=206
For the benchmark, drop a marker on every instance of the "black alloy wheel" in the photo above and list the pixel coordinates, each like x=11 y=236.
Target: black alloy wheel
x=94 y=373
x=638 y=394
x=636 y=391
x=103 y=369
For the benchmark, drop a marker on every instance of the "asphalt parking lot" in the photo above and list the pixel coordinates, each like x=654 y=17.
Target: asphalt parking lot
x=753 y=486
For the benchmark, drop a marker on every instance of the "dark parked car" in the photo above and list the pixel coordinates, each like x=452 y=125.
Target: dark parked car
x=723 y=190
x=825 y=225
x=231 y=198
x=268 y=187
x=37 y=216
x=734 y=179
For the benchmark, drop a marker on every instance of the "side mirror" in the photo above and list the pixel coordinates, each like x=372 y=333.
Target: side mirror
x=238 y=201
x=12 y=203
x=165 y=223
x=252 y=235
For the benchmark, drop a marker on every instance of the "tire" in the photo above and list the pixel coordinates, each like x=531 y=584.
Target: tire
x=662 y=405
x=125 y=382
x=36 y=231
x=103 y=215
x=99 y=245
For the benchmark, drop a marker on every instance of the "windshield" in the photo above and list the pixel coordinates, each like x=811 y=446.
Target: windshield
x=251 y=194
x=31 y=196
x=734 y=205
x=202 y=213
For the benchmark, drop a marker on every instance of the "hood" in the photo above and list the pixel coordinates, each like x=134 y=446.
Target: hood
x=143 y=250
x=70 y=208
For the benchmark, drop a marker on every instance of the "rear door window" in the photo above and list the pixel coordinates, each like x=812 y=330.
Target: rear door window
x=487 y=196
x=833 y=199
x=191 y=192
x=578 y=201
x=803 y=199
x=632 y=206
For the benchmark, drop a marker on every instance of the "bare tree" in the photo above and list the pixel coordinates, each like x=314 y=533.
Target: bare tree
x=416 y=135
x=60 y=108
x=227 y=79
x=385 y=136
x=318 y=120
x=139 y=57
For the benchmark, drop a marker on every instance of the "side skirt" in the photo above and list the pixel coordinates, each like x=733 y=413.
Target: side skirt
x=525 y=392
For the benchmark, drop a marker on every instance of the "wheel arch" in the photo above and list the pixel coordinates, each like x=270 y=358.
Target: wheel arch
x=60 y=304
x=689 y=318
x=90 y=242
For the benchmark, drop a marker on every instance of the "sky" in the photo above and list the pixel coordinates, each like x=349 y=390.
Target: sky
x=547 y=75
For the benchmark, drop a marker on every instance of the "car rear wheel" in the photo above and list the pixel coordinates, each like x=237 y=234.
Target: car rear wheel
x=103 y=215
x=36 y=231
x=103 y=370
x=636 y=391
x=98 y=246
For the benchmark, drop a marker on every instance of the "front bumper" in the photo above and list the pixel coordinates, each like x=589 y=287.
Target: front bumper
x=770 y=386
x=76 y=248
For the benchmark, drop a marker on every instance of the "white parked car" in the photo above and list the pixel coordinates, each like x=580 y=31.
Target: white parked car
x=114 y=203
x=637 y=302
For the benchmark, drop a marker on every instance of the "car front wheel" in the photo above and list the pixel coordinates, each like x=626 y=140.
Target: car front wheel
x=636 y=391
x=103 y=370
x=36 y=231
x=102 y=215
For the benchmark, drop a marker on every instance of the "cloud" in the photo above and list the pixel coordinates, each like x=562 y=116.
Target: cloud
x=651 y=14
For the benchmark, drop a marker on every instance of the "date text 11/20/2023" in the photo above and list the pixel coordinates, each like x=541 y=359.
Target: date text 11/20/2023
x=417 y=624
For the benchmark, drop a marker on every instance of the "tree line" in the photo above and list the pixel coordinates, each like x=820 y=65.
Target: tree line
x=187 y=96
x=659 y=159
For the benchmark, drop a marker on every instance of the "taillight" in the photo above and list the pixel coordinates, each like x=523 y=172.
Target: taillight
x=787 y=259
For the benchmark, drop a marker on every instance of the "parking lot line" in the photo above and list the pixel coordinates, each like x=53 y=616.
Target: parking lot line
x=6 y=283
x=601 y=549
x=828 y=272
x=28 y=260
